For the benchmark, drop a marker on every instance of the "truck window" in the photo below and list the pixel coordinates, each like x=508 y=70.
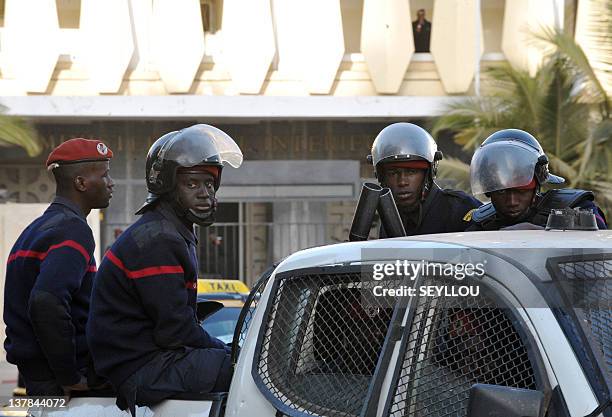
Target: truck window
x=321 y=344
x=449 y=347
x=585 y=282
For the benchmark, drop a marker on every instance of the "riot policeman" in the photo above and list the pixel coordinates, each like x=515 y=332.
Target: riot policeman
x=510 y=167
x=143 y=330
x=405 y=159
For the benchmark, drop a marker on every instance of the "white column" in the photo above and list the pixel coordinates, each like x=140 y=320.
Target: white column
x=177 y=42
x=108 y=42
x=521 y=17
x=387 y=43
x=313 y=56
x=454 y=30
x=248 y=42
x=30 y=42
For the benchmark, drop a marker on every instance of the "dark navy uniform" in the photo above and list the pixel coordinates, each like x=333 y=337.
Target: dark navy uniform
x=46 y=299
x=143 y=329
x=443 y=211
x=486 y=218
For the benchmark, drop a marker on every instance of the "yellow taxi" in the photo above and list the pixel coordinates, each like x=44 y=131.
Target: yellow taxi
x=224 y=300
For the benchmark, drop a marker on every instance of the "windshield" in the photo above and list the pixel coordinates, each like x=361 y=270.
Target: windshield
x=223 y=323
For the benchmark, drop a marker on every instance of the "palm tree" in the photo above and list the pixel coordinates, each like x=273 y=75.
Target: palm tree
x=564 y=105
x=15 y=131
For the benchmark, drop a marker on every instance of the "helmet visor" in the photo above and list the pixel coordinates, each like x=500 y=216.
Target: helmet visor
x=499 y=166
x=201 y=144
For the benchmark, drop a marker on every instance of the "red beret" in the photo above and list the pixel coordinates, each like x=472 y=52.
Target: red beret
x=78 y=150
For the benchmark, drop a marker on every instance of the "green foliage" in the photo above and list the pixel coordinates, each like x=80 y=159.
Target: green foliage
x=563 y=105
x=15 y=131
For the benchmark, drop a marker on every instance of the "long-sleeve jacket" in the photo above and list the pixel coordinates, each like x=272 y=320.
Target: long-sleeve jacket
x=487 y=218
x=443 y=211
x=49 y=277
x=144 y=296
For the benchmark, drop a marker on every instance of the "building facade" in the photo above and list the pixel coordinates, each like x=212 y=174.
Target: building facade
x=303 y=86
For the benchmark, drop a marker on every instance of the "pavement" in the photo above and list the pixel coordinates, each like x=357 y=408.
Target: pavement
x=8 y=378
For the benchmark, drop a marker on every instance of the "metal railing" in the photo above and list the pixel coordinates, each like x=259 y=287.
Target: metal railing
x=244 y=250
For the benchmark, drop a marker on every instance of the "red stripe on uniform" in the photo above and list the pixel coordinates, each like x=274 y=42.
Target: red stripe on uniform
x=145 y=272
x=74 y=245
x=92 y=268
x=191 y=285
x=27 y=254
x=43 y=255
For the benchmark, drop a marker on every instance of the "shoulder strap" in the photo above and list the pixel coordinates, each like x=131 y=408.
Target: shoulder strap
x=559 y=199
x=565 y=198
x=484 y=214
x=451 y=192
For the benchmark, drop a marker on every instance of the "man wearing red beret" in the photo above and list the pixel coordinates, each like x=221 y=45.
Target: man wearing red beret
x=50 y=274
x=405 y=159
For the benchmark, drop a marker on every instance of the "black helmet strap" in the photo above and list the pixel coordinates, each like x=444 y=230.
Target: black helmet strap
x=541 y=170
x=181 y=211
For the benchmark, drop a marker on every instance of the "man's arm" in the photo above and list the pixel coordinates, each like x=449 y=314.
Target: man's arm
x=49 y=305
x=159 y=279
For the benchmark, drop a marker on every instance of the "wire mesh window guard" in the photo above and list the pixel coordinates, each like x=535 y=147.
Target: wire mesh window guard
x=592 y=293
x=321 y=344
x=449 y=347
x=585 y=282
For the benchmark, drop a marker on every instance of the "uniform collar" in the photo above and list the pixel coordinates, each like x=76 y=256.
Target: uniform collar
x=432 y=194
x=166 y=211
x=71 y=205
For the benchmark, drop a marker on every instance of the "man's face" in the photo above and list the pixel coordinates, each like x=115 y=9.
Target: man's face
x=196 y=191
x=97 y=183
x=406 y=184
x=421 y=14
x=513 y=203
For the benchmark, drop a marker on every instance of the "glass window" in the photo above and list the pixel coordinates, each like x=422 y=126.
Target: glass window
x=211 y=15
x=68 y=13
x=351 y=24
x=492 y=12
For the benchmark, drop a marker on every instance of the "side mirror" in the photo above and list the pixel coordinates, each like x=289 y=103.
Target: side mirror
x=207 y=308
x=499 y=401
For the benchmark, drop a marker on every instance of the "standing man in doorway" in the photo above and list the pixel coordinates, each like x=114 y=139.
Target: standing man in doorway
x=421 y=31
x=50 y=274
x=143 y=330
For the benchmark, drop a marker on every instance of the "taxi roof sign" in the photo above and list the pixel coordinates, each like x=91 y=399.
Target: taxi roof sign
x=207 y=286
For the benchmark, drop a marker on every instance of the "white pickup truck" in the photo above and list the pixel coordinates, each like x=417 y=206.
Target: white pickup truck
x=535 y=341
